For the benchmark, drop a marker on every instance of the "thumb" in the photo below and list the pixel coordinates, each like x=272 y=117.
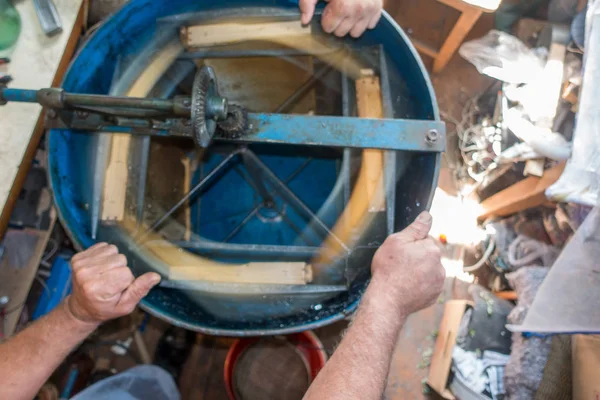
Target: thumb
x=307 y=8
x=418 y=230
x=137 y=291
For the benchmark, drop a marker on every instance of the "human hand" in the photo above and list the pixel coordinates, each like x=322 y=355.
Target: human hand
x=409 y=267
x=341 y=17
x=103 y=285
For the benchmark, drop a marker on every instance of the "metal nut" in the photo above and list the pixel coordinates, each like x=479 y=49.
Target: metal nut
x=432 y=136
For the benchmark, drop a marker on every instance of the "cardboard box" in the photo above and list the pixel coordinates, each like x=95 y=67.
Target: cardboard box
x=586 y=364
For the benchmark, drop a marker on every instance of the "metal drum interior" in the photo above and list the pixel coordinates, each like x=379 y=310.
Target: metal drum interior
x=229 y=220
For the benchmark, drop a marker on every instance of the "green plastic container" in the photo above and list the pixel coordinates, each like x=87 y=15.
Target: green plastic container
x=10 y=24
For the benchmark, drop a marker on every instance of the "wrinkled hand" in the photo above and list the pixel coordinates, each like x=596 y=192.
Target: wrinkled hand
x=103 y=286
x=409 y=263
x=341 y=17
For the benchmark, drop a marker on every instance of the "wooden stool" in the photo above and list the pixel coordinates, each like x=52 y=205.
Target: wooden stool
x=470 y=10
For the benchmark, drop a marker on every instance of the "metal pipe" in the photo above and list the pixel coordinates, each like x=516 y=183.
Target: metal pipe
x=390 y=156
x=209 y=246
x=241 y=53
x=265 y=289
x=271 y=14
x=241 y=224
x=75 y=99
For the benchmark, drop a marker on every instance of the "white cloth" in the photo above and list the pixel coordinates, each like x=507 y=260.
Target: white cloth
x=485 y=374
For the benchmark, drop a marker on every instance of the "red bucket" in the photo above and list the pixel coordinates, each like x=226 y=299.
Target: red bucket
x=307 y=344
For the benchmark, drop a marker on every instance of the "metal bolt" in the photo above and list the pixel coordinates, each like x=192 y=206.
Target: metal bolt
x=51 y=113
x=432 y=136
x=216 y=108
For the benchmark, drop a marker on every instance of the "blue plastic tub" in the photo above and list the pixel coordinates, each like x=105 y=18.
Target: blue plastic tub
x=132 y=34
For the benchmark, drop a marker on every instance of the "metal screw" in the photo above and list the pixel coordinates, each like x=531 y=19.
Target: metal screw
x=432 y=136
x=51 y=113
x=4 y=301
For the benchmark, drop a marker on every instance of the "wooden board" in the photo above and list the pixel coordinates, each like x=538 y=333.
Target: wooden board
x=36 y=62
x=341 y=59
x=117 y=171
x=444 y=344
x=232 y=32
x=528 y=193
x=369 y=104
x=18 y=268
x=368 y=195
x=277 y=273
x=262 y=84
x=458 y=33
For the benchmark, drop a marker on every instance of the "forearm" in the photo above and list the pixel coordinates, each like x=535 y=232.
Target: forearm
x=358 y=369
x=28 y=359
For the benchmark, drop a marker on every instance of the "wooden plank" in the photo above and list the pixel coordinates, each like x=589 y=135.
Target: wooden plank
x=368 y=195
x=342 y=59
x=444 y=344
x=464 y=24
x=262 y=84
x=37 y=61
x=117 y=171
x=184 y=265
x=273 y=273
x=18 y=269
x=415 y=346
x=369 y=104
x=528 y=193
x=187 y=183
x=233 y=32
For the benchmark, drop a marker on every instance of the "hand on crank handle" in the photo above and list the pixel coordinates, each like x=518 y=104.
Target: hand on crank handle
x=341 y=17
x=409 y=262
x=103 y=286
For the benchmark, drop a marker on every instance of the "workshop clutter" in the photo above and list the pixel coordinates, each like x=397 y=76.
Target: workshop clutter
x=533 y=168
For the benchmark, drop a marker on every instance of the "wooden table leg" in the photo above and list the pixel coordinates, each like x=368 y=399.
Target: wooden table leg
x=459 y=31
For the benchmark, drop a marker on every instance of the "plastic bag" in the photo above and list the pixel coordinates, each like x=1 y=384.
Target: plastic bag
x=502 y=56
x=138 y=383
x=580 y=181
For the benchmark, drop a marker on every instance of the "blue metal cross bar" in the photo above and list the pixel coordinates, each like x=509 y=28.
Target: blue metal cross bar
x=388 y=134
x=160 y=117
